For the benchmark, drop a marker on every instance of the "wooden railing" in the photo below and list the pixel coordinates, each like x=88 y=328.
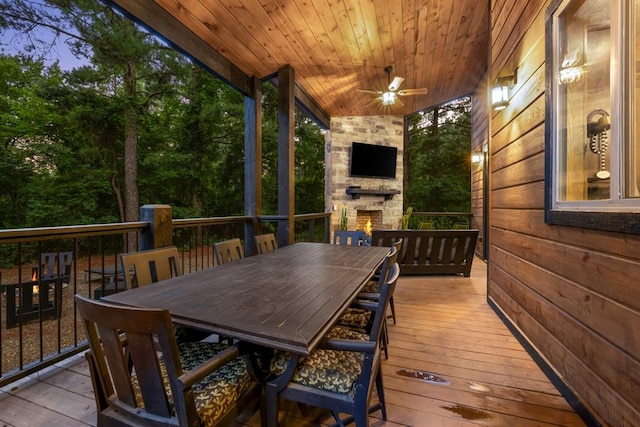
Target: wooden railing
x=52 y=331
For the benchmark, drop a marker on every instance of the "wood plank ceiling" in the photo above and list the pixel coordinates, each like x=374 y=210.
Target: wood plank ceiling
x=338 y=47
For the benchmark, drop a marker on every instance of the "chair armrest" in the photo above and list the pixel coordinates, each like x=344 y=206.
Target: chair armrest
x=365 y=305
x=339 y=344
x=197 y=374
x=369 y=296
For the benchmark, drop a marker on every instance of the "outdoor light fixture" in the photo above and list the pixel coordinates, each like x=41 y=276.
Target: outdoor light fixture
x=500 y=92
x=476 y=157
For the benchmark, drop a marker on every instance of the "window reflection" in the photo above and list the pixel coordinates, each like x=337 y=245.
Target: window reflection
x=584 y=97
x=632 y=185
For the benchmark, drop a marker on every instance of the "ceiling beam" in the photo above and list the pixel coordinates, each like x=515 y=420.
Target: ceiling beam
x=150 y=15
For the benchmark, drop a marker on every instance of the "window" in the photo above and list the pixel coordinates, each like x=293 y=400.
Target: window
x=593 y=104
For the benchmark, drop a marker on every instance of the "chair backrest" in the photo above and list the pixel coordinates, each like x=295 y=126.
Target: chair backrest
x=54 y=264
x=346 y=237
x=118 y=392
x=460 y=226
x=398 y=244
x=385 y=269
x=426 y=225
x=386 y=292
x=266 y=243
x=146 y=267
x=228 y=251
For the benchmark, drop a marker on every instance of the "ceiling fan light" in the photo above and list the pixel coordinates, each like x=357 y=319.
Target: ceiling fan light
x=388 y=98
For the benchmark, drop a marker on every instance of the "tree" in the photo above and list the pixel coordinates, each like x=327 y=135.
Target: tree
x=137 y=124
x=139 y=64
x=309 y=174
x=438 y=157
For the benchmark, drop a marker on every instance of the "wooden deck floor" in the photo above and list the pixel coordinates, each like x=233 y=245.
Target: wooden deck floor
x=444 y=327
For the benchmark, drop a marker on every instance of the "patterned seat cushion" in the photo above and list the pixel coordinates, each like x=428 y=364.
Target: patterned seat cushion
x=355 y=318
x=217 y=392
x=335 y=371
x=371 y=287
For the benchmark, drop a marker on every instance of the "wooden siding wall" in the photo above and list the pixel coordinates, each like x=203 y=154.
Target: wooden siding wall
x=479 y=140
x=573 y=292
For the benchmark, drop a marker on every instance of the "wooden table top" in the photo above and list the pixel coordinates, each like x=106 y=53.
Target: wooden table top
x=286 y=299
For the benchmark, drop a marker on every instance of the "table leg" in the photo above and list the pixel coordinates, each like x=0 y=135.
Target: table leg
x=258 y=359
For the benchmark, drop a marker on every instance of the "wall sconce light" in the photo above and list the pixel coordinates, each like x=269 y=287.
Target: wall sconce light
x=500 y=91
x=476 y=157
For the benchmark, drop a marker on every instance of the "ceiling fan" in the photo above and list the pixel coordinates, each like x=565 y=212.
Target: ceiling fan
x=390 y=95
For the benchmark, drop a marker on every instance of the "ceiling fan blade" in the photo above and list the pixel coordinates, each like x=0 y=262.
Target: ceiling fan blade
x=375 y=92
x=395 y=83
x=370 y=103
x=407 y=92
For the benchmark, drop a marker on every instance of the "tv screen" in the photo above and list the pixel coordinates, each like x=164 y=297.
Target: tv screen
x=369 y=160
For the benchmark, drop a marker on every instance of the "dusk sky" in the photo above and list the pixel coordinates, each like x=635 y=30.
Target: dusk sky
x=13 y=43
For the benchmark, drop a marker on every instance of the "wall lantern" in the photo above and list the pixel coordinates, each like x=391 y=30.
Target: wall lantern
x=476 y=157
x=500 y=91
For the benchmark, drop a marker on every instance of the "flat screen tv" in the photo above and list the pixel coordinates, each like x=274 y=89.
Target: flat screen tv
x=374 y=161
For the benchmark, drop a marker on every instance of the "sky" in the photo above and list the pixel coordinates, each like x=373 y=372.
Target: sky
x=13 y=43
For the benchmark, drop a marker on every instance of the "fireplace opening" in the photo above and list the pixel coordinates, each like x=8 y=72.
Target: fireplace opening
x=368 y=220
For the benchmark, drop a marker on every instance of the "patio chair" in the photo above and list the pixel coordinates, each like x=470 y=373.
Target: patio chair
x=53 y=266
x=460 y=226
x=146 y=267
x=353 y=238
x=228 y=251
x=373 y=285
x=426 y=225
x=141 y=376
x=360 y=319
x=341 y=373
x=266 y=243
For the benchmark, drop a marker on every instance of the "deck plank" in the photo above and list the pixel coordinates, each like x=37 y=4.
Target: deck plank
x=444 y=326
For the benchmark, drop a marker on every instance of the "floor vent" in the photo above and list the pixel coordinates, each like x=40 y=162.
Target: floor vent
x=424 y=376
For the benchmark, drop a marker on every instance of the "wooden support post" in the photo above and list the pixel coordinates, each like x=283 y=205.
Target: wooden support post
x=160 y=231
x=252 y=164
x=286 y=154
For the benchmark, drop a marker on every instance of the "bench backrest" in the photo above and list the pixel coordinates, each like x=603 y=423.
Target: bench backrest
x=431 y=251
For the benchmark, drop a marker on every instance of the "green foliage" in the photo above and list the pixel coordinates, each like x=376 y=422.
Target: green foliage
x=309 y=164
x=309 y=159
x=439 y=173
x=344 y=219
x=63 y=133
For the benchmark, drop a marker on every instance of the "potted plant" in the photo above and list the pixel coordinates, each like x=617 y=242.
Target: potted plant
x=405 y=218
x=344 y=219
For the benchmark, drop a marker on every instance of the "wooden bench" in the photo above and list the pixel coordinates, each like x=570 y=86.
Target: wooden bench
x=431 y=251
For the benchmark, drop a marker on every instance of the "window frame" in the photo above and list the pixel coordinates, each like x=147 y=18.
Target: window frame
x=616 y=214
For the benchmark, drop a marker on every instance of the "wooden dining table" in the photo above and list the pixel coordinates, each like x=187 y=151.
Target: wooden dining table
x=284 y=300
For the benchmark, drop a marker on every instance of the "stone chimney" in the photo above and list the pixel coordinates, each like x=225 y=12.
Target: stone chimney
x=381 y=206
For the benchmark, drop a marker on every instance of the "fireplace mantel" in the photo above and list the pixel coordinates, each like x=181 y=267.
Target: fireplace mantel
x=356 y=191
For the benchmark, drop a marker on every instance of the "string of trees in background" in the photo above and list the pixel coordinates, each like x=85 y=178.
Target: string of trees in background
x=141 y=124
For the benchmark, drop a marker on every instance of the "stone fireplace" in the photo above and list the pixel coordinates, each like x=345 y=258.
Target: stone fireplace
x=376 y=199
x=368 y=220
